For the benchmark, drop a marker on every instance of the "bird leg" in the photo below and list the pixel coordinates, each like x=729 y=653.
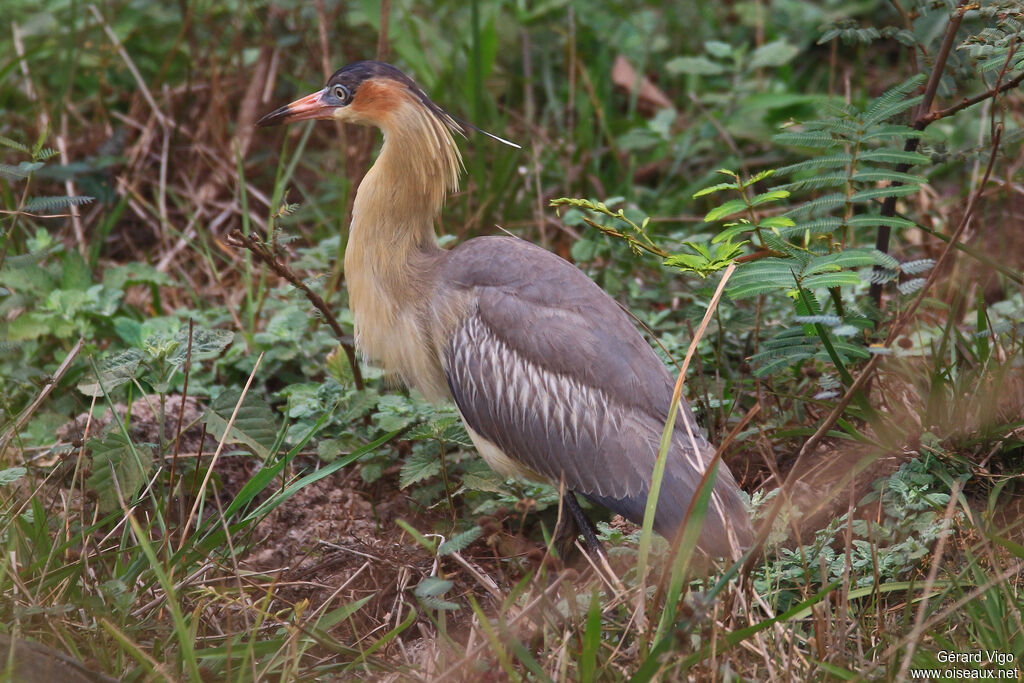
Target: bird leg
x=570 y=526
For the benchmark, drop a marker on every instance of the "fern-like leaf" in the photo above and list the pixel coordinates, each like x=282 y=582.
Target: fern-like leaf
x=917 y=267
x=882 y=192
x=827 y=162
x=911 y=286
x=893 y=101
x=814 y=139
x=55 y=203
x=885 y=260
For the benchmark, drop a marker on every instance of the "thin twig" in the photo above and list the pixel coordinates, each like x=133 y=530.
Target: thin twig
x=933 y=275
x=971 y=101
x=920 y=123
x=69 y=188
x=31 y=408
x=263 y=253
x=383 y=43
x=181 y=414
x=143 y=88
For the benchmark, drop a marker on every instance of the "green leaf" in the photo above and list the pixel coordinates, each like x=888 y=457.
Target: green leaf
x=759 y=176
x=480 y=477
x=773 y=222
x=684 y=261
x=459 y=542
x=775 y=53
x=727 y=209
x=36 y=204
x=882 y=192
x=817 y=226
x=717 y=48
x=850 y=258
x=114 y=371
x=28 y=326
x=814 y=139
x=30 y=279
x=873 y=221
x=893 y=156
x=824 y=162
x=828 y=280
x=206 y=343
x=19 y=172
x=697 y=66
x=15 y=145
x=769 y=196
x=75 y=273
x=732 y=230
x=716 y=188
x=118 y=465
x=417 y=467
x=135 y=273
x=917 y=266
x=911 y=286
x=11 y=475
x=394 y=412
x=430 y=588
x=256 y=424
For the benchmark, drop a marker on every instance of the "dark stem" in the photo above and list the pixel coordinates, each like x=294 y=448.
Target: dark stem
x=260 y=250
x=181 y=419
x=921 y=121
x=971 y=101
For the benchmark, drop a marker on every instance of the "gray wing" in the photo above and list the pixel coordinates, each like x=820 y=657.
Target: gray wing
x=548 y=368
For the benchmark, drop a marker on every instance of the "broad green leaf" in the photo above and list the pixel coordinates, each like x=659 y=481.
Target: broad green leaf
x=31 y=279
x=394 y=412
x=114 y=371
x=11 y=475
x=256 y=424
x=480 y=477
x=205 y=344
x=75 y=273
x=717 y=48
x=118 y=465
x=135 y=273
x=417 y=467
x=28 y=326
x=775 y=53
x=697 y=66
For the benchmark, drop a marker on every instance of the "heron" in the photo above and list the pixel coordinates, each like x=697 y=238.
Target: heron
x=550 y=376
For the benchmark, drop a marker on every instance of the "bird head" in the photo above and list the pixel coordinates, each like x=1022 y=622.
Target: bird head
x=367 y=93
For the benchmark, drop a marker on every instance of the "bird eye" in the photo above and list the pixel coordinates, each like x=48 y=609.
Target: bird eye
x=341 y=92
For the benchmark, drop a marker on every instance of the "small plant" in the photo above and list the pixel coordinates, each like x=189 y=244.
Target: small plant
x=700 y=260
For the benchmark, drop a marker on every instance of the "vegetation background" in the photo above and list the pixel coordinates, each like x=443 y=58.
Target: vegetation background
x=197 y=482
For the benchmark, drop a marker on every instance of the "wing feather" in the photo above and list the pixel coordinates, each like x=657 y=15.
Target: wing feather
x=550 y=370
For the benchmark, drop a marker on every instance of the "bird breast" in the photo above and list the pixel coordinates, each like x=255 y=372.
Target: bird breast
x=397 y=316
